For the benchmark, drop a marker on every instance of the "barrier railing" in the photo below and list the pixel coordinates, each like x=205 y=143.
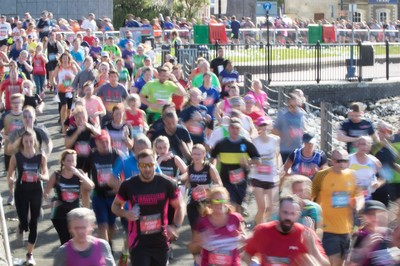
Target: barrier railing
x=305 y=62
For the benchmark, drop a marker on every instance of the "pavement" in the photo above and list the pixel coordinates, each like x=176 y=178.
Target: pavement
x=48 y=241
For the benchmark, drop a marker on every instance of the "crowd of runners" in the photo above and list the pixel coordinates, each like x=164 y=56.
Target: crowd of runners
x=152 y=147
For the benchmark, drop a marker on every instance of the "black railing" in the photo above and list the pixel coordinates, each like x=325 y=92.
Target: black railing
x=303 y=62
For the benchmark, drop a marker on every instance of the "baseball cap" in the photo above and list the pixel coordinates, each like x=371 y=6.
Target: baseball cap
x=103 y=135
x=104 y=53
x=235 y=101
x=249 y=97
x=308 y=138
x=263 y=121
x=371 y=205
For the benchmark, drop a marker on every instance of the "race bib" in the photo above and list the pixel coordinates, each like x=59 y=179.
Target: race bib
x=195 y=129
x=277 y=261
x=199 y=194
x=340 y=199
x=150 y=224
x=220 y=258
x=69 y=195
x=136 y=130
x=30 y=177
x=264 y=168
x=103 y=176
x=236 y=176
x=307 y=169
x=82 y=148
x=208 y=101
x=52 y=57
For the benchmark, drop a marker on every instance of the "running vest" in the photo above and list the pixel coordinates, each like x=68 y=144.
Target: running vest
x=95 y=259
x=306 y=166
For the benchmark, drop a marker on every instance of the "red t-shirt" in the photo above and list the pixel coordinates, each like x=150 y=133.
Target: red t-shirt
x=221 y=243
x=276 y=248
x=39 y=66
x=89 y=40
x=10 y=89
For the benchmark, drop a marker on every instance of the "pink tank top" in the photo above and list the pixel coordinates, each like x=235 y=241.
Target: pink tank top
x=96 y=257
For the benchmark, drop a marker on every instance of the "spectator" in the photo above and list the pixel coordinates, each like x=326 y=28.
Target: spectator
x=89 y=23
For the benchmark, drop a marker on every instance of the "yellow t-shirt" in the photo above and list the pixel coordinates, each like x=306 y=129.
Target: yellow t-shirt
x=336 y=194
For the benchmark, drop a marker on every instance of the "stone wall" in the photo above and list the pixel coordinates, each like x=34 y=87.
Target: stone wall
x=345 y=92
x=69 y=9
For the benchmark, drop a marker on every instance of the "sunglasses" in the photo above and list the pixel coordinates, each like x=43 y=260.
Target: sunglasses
x=341 y=161
x=218 y=201
x=144 y=165
x=27 y=116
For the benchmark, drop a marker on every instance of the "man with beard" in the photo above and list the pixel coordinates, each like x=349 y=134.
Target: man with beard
x=148 y=195
x=285 y=242
x=335 y=190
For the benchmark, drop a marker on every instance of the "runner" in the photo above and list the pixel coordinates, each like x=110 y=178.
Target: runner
x=148 y=195
x=100 y=166
x=285 y=242
x=83 y=249
x=217 y=236
x=306 y=160
x=235 y=154
x=68 y=182
x=265 y=177
x=31 y=169
x=335 y=189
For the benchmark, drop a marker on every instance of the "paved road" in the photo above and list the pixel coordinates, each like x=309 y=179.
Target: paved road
x=48 y=241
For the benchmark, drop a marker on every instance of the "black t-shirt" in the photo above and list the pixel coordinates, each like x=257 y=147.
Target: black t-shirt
x=364 y=128
x=83 y=145
x=230 y=153
x=28 y=170
x=100 y=167
x=181 y=133
x=67 y=192
x=33 y=100
x=153 y=197
x=215 y=63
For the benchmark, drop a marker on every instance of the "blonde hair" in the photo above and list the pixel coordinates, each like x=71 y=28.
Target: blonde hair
x=206 y=210
x=160 y=139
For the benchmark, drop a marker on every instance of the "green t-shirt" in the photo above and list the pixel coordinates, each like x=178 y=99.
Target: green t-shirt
x=123 y=75
x=138 y=61
x=112 y=49
x=158 y=93
x=198 y=81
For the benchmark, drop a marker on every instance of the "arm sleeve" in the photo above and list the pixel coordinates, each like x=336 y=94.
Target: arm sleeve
x=59 y=257
x=215 y=151
x=107 y=253
x=252 y=150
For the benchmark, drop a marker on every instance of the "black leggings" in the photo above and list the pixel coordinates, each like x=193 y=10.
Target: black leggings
x=61 y=226
x=148 y=256
x=25 y=201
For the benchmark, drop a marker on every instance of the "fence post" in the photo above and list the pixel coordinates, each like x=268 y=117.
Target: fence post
x=280 y=97
x=326 y=127
x=248 y=77
x=360 y=61
x=387 y=59
x=318 y=58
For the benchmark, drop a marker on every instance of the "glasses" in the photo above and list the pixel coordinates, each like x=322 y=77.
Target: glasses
x=341 y=160
x=145 y=165
x=218 y=201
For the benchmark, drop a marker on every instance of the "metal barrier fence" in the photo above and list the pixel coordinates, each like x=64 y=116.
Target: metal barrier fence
x=290 y=62
x=259 y=35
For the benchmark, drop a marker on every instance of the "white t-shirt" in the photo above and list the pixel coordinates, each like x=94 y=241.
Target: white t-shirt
x=5 y=30
x=267 y=171
x=87 y=24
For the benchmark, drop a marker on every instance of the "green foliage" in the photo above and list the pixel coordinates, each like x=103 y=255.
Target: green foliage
x=143 y=8
x=188 y=8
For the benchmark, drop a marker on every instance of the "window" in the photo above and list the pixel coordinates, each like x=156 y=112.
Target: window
x=357 y=17
x=382 y=16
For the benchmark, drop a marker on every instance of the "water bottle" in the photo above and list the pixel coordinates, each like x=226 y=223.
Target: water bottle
x=136 y=209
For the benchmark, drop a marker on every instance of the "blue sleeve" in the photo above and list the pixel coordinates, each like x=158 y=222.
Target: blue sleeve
x=185 y=114
x=117 y=167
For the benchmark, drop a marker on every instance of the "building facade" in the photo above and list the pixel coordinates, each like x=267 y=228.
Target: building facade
x=366 y=10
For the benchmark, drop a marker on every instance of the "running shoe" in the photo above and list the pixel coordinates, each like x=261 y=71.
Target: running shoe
x=123 y=260
x=10 y=200
x=30 y=260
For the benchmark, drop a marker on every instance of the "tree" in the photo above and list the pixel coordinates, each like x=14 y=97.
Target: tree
x=143 y=8
x=188 y=8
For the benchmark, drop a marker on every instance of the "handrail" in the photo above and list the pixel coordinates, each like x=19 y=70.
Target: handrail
x=5 y=234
